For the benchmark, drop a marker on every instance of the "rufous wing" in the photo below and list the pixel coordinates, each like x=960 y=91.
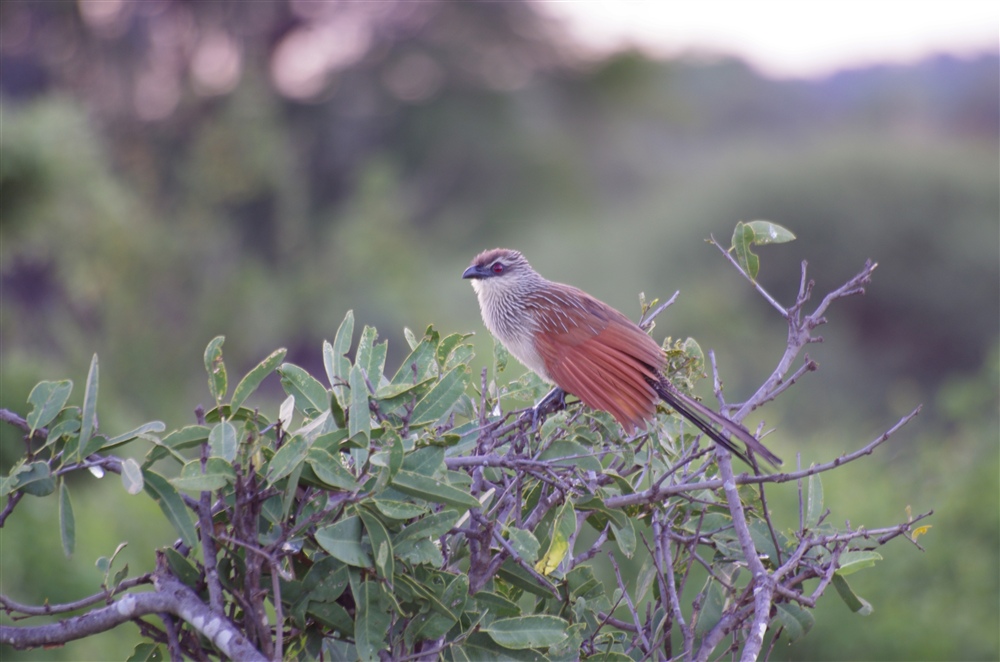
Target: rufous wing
x=597 y=354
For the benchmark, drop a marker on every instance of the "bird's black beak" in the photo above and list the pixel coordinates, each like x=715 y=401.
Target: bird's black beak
x=475 y=271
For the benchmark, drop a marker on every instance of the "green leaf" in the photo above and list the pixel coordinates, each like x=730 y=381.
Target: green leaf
x=854 y=602
x=766 y=232
x=425 y=461
x=420 y=365
x=88 y=417
x=438 y=590
x=568 y=650
x=764 y=542
x=326 y=580
x=222 y=441
x=516 y=576
x=335 y=358
x=147 y=653
x=331 y=616
x=420 y=552
x=400 y=510
x=330 y=470
x=132 y=476
x=217 y=381
x=218 y=473
x=743 y=237
x=441 y=398
x=290 y=489
x=182 y=567
x=311 y=396
x=334 y=441
x=342 y=541
x=525 y=543
x=394 y=442
x=67 y=522
x=608 y=656
x=371 y=357
x=141 y=431
x=337 y=412
x=65 y=427
x=172 y=505
x=814 y=501
x=564 y=453
x=94 y=444
x=291 y=454
x=460 y=356
x=500 y=357
x=47 y=400
x=431 y=527
x=448 y=345
x=712 y=601
x=253 y=379
x=391 y=396
x=851 y=562
x=34 y=478
x=644 y=580
x=794 y=619
x=372 y=622
x=582 y=583
x=381 y=544
x=429 y=489
x=527 y=631
x=496 y=604
x=286 y=412
x=119 y=577
x=479 y=647
x=625 y=537
x=411 y=339
x=359 y=416
x=186 y=437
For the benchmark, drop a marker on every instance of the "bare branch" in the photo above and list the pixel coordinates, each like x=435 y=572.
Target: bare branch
x=659 y=493
x=763 y=585
x=10 y=605
x=542 y=581
x=646 y=321
x=170 y=597
x=639 y=630
x=207 y=531
x=760 y=290
x=18 y=421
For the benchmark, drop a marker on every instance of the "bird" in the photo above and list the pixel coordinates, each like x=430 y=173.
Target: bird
x=587 y=348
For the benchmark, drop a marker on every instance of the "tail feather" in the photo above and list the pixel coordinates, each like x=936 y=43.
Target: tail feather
x=703 y=418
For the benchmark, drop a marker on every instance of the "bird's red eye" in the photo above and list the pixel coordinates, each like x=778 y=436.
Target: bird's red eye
x=497 y=268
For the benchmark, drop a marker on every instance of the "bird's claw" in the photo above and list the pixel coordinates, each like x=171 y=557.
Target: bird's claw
x=553 y=401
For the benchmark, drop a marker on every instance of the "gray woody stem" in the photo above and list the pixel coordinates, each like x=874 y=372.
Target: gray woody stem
x=170 y=597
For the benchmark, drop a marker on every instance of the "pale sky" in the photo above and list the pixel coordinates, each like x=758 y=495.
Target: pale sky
x=788 y=38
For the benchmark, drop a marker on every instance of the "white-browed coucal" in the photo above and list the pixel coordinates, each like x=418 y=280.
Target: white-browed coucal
x=586 y=347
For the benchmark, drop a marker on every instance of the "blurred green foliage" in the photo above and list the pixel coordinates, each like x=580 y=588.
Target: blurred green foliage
x=264 y=216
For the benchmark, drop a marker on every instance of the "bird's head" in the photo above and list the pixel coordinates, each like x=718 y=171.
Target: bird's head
x=499 y=270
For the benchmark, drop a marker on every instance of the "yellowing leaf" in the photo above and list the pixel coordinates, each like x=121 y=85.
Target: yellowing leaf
x=554 y=556
x=563 y=529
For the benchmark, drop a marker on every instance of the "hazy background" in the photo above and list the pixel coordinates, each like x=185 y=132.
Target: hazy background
x=172 y=171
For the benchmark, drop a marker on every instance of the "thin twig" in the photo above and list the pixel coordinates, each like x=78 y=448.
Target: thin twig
x=207 y=530
x=660 y=493
x=760 y=290
x=640 y=631
x=10 y=605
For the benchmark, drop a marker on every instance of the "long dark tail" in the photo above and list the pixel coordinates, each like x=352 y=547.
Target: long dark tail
x=704 y=418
